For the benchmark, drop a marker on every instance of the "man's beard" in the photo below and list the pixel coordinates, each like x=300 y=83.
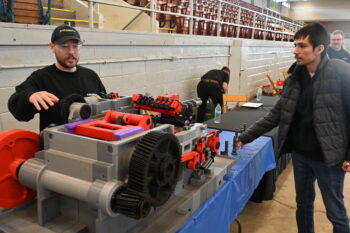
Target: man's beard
x=67 y=65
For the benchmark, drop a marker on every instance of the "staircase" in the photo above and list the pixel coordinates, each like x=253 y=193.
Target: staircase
x=62 y=16
x=23 y=11
x=65 y=12
x=74 y=13
x=26 y=11
x=42 y=12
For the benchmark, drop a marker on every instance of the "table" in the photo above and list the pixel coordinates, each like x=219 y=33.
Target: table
x=234 y=120
x=253 y=161
x=268 y=101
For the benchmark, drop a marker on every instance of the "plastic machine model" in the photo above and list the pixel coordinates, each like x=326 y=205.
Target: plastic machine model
x=121 y=164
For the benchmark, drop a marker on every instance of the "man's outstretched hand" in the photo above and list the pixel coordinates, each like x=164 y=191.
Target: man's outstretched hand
x=43 y=99
x=346 y=166
x=239 y=144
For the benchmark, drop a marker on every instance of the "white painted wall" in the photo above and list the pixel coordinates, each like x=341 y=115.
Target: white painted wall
x=259 y=59
x=320 y=10
x=81 y=11
x=260 y=3
x=118 y=17
x=347 y=44
x=135 y=62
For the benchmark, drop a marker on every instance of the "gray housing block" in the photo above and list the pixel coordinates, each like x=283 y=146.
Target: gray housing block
x=76 y=175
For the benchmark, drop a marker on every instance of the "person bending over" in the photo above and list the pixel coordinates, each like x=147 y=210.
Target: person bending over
x=212 y=85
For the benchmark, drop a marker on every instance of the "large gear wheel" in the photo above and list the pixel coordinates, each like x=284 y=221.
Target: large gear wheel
x=155 y=167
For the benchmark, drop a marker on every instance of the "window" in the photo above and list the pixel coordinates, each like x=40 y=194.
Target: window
x=286 y=4
x=275 y=5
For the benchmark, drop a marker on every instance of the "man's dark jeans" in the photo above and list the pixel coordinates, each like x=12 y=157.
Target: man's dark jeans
x=331 y=183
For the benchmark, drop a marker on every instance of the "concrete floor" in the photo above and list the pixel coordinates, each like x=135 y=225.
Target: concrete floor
x=278 y=215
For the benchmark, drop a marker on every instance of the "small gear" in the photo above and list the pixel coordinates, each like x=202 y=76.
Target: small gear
x=130 y=203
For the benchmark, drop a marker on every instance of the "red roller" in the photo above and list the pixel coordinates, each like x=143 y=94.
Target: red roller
x=16 y=146
x=106 y=129
x=143 y=121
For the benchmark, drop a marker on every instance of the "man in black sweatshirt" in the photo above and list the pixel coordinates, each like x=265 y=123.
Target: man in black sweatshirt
x=42 y=91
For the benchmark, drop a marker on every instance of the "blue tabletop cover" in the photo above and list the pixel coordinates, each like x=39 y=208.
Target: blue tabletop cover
x=216 y=214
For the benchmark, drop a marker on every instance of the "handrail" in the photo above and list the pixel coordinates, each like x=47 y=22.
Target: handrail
x=191 y=17
x=44 y=18
x=136 y=16
x=117 y=60
x=11 y=12
x=3 y=11
x=72 y=20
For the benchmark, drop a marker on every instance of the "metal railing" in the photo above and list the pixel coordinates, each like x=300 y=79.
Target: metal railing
x=7 y=10
x=44 y=17
x=135 y=18
x=271 y=23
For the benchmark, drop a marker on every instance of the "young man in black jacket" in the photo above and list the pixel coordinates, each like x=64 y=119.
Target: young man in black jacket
x=313 y=118
x=42 y=91
x=212 y=85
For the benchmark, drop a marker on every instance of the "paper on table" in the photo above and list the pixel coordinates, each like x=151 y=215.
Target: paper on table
x=251 y=105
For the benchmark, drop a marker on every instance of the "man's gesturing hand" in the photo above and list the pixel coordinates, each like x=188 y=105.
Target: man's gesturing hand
x=43 y=99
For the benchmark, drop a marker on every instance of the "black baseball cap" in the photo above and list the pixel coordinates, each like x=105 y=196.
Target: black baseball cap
x=63 y=33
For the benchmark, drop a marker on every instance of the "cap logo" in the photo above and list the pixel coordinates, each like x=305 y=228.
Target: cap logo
x=63 y=33
x=67 y=30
